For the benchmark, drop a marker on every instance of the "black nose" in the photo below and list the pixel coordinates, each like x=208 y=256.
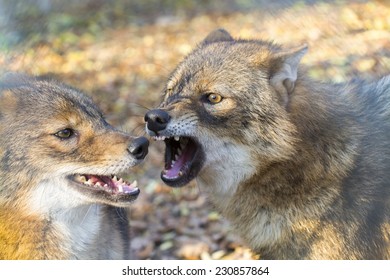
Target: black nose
x=157 y=120
x=139 y=147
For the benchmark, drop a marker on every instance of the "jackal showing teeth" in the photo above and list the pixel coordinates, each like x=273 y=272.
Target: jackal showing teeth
x=60 y=197
x=300 y=168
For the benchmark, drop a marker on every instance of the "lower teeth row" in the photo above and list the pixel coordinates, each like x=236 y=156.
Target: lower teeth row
x=179 y=174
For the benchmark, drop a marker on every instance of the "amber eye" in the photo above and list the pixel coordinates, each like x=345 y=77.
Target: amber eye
x=65 y=133
x=214 y=98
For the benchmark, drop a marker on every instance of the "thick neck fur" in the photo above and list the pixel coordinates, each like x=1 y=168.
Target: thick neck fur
x=277 y=208
x=50 y=223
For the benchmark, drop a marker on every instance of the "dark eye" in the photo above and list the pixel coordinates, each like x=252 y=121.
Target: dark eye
x=65 y=133
x=214 y=98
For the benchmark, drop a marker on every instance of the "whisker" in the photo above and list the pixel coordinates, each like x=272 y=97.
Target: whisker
x=140 y=106
x=120 y=213
x=139 y=128
x=86 y=213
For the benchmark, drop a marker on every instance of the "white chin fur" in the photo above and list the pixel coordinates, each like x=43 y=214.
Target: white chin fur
x=77 y=222
x=225 y=168
x=54 y=195
x=226 y=165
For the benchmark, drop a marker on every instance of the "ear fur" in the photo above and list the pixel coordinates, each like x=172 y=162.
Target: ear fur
x=218 y=35
x=285 y=70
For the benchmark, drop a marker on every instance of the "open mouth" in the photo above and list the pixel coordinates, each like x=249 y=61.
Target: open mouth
x=183 y=160
x=109 y=187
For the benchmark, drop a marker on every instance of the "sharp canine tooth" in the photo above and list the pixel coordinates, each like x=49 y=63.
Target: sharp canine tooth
x=177 y=138
x=83 y=179
x=115 y=178
x=120 y=180
x=134 y=184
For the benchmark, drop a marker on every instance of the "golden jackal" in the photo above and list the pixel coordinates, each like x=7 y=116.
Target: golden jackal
x=59 y=197
x=300 y=168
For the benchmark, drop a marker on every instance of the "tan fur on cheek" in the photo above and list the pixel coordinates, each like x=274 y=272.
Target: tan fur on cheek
x=100 y=147
x=93 y=144
x=65 y=119
x=226 y=106
x=177 y=109
x=53 y=144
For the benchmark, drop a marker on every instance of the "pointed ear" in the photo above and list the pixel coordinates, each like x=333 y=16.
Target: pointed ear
x=218 y=35
x=284 y=71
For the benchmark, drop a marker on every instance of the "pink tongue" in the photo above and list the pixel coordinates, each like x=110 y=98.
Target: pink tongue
x=175 y=169
x=103 y=179
x=181 y=162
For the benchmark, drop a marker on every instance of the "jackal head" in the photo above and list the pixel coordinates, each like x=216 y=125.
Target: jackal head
x=225 y=109
x=55 y=145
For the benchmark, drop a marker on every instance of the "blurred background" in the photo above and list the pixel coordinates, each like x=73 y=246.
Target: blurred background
x=121 y=52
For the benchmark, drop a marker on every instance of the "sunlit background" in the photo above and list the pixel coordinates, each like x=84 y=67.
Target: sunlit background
x=121 y=52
